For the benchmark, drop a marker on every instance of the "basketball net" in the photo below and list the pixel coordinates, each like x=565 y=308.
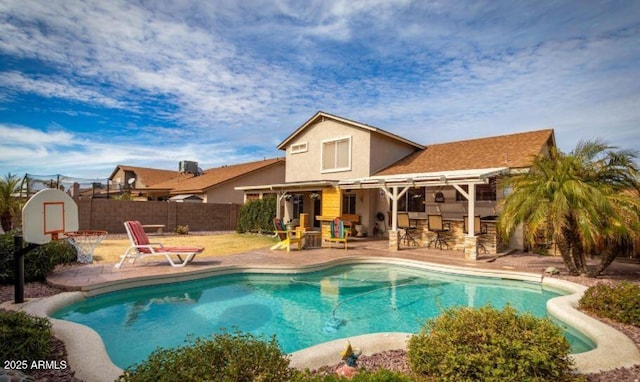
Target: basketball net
x=85 y=242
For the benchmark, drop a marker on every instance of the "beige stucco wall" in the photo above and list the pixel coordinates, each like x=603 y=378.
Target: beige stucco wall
x=307 y=165
x=368 y=210
x=385 y=151
x=369 y=152
x=226 y=193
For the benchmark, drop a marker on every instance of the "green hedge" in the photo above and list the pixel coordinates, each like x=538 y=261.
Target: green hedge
x=24 y=337
x=257 y=215
x=238 y=357
x=487 y=344
x=38 y=263
x=620 y=302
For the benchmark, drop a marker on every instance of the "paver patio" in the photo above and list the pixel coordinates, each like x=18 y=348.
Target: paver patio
x=88 y=277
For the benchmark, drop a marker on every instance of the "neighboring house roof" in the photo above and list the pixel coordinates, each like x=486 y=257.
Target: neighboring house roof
x=513 y=151
x=319 y=116
x=147 y=176
x=191 y=184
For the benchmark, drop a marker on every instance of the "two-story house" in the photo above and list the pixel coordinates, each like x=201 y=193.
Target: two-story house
x=328 y=149
x=338 y=167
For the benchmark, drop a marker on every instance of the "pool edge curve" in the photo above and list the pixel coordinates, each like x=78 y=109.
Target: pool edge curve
x=613 y=348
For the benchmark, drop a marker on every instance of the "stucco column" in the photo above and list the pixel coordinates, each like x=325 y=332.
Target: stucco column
x=393 y=240
x=470 y=248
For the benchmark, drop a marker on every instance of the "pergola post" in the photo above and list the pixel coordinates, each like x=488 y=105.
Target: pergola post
x=470 y=239
x=280 y=197
x=394 y=195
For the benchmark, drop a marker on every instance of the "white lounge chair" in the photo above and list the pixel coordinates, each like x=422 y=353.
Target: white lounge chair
x=141 y=248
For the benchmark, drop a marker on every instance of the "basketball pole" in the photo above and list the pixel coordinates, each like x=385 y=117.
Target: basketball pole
x=18 y=261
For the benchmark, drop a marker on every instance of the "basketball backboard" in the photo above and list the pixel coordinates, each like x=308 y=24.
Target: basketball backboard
x=47 y=215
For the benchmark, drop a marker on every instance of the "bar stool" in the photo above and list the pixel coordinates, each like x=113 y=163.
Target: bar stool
x=405 y=224
x=436 y=226
x=478 y=230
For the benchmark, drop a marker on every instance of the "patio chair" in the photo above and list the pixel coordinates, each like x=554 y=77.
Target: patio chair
x=141 y=248
x=436 y=226
x=287 y=236
x=337 y=232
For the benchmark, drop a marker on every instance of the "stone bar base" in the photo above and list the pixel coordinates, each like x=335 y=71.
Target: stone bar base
x=394 y=244
x=471 y=248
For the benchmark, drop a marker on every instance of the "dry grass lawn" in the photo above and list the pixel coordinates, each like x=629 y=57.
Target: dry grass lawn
x=110 y=250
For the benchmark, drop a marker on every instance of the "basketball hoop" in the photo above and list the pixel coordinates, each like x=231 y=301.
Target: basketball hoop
x=85 y=242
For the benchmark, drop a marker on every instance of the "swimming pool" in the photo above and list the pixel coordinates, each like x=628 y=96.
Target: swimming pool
x=301 y=309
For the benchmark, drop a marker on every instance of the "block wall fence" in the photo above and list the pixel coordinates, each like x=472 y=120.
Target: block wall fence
x=109 y=215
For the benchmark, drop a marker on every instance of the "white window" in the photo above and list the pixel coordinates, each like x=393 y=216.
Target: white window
x=299 y=148
x=336 y=155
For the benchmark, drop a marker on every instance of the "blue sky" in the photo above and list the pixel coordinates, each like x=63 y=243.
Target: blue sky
x=87 y=85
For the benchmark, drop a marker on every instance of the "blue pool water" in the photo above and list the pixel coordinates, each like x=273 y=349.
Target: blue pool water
x=302 y=310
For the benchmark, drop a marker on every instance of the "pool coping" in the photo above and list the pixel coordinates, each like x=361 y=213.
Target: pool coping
x=89 y=359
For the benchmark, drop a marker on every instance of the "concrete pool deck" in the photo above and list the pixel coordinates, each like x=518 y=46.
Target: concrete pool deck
x=88 y=357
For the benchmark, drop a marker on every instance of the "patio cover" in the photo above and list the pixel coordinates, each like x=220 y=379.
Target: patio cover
x=283 y=189
x=292 y=186
x=395 y=186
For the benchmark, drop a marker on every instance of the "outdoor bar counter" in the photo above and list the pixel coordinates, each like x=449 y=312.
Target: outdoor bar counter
x=488 y=239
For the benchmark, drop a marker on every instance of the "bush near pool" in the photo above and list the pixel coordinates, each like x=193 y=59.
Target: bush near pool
x=620 y=302
x=486 y=344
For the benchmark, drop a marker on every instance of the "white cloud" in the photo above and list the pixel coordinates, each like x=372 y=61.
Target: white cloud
x=28 y=150
x=202 y=78
x=57 y=88
x=22 y=135
x=130 y=49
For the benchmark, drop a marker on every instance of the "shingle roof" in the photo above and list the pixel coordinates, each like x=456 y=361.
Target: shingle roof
x=513 y=151
x=148 y=176
x=190 y=184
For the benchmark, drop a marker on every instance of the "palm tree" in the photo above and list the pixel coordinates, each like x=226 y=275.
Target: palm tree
x=10 y=205
x=587 y=201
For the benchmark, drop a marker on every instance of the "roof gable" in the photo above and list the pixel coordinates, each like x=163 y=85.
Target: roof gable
x=320 y=116
x=148 y=176
x=513 y=151
x=214 y=176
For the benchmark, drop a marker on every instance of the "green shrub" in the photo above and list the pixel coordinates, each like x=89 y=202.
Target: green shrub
x=182 y=230
x=487 y=344
x=234 y=357
x=24 y=337
x=6 y=258
x=37 y=262
x=619 y=302
x=257 y=215
x=362 y=376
